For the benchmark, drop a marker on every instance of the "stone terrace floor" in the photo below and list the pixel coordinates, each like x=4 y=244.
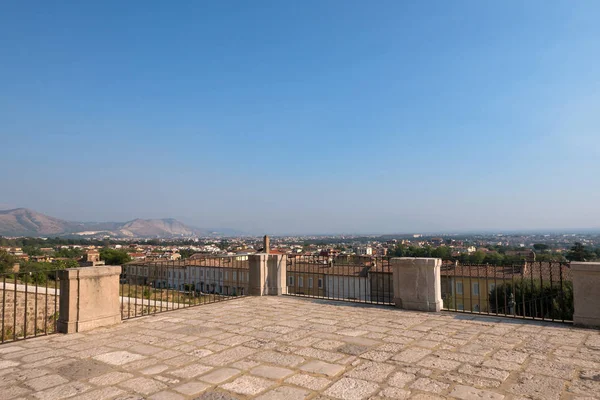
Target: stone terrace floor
x=292 y=348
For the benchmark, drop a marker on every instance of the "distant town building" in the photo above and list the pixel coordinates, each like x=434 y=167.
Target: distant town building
x=137 y=256
x=207 y=275
x=91 y=259
x=364 y=251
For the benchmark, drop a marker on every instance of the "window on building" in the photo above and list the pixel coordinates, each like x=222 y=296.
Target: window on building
x=290 y=281
x=459 y=288
x=202 y=273
x=320 y=283
x=300 y=281
x=220 y=274
x=226 y=275
x=476 y=307
x=492 y=287
x=475 y=288
x=234 y=275
x=460 y=307
x=310 y=283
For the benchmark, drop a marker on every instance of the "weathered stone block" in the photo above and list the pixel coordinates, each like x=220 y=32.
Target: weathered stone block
x=267 y=275
x=586 y=280
x=417 y=283
x=89 y=298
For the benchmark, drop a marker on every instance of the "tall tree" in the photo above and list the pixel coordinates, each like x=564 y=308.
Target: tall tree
x=540 y=247
x=114 y=256
x=6 y=261
x=579 y=253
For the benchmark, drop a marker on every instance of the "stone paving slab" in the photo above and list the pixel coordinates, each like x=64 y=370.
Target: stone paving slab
x=292 y=348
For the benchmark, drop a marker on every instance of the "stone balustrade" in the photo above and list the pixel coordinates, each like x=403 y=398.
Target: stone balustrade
x=90 y=296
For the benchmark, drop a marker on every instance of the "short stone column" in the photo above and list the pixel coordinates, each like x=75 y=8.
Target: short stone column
x=586 y=298
x=267 y=275
x=417 y=283
x=89 y=298
x=257 y=279
x=276 y=274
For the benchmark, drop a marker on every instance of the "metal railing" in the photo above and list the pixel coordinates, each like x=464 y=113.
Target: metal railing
x=30 y=304
x=158 y=286
x=364 y=279
x=533 y=290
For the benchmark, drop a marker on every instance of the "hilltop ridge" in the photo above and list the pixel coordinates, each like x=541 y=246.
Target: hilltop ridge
x=27 y=222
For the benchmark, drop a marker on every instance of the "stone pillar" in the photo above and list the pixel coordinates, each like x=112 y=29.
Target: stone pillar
x=267 y=275
x=258 y=274
x=417 y=283
x=276 y=275
x=89 y=298
x=586 y=281
x=266 y=244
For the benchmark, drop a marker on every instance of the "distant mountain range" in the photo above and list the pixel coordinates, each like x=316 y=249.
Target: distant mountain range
x=25 y=222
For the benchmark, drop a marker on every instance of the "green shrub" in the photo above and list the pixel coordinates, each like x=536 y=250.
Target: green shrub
x=532 y=299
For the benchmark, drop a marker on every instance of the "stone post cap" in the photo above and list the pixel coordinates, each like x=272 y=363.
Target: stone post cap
x=88 y=272
x=261 y=255
x=581 y=266
x=417 y=261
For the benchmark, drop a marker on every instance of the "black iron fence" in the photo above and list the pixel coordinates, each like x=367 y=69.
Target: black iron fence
x=158 y=286
x=30 y=304
x=535 y=290
x=365 y=279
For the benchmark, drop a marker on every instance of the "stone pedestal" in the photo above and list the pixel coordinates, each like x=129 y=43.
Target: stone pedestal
x=276 y=275
x=586 y=297
x=257 y=279
x=89 y=298
x=267 y=275
x=417 y=283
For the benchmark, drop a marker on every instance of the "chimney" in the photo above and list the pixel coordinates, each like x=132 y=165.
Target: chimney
x=266 y=244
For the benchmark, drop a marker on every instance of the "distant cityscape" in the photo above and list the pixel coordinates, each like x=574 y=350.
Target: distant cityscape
x=476 y=248
x=32 y=241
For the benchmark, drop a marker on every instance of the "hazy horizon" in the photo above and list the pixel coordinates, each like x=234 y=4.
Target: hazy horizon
x=592 y=230
x=315 y=116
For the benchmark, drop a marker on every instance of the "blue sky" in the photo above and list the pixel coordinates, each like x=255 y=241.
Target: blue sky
x=304 y=116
